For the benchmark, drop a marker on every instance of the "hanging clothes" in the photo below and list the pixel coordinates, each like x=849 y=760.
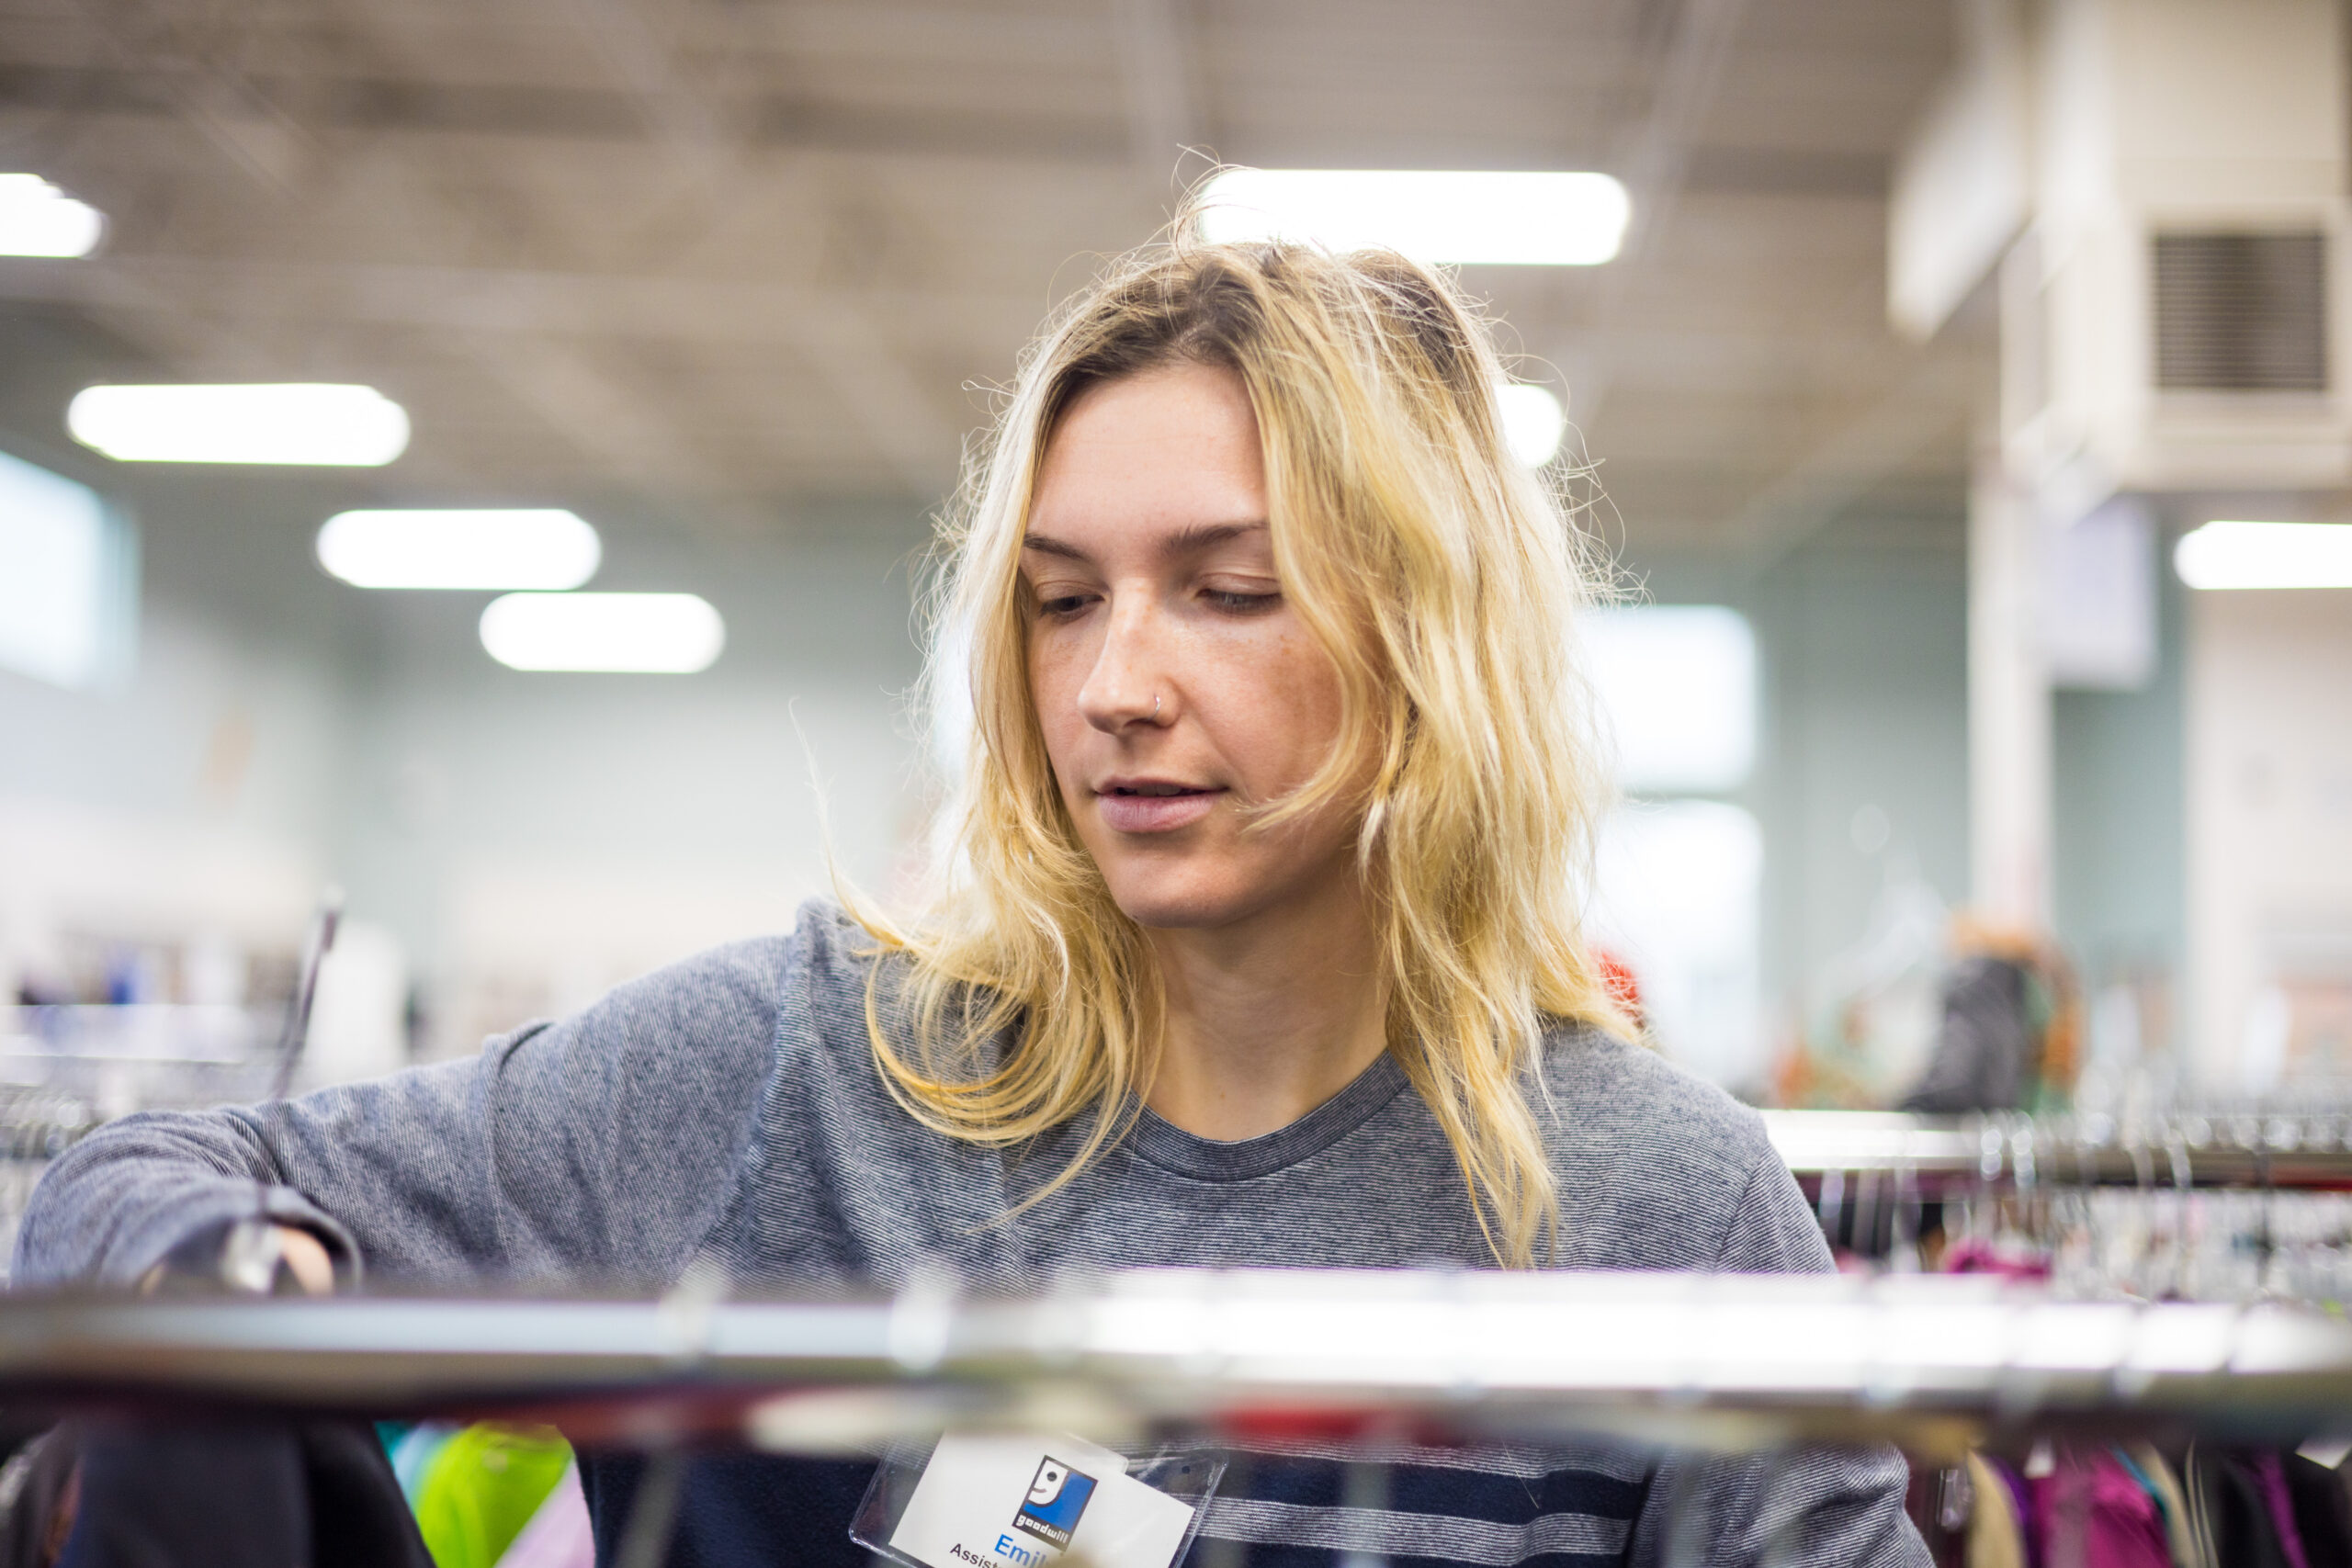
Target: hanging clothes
x=1996 y=1536
x=2321 y=1511
x=2271 y=1477
x=2234 y=1510
x=2011 y=1258
x=37 y=1498
x=310 y=1492
x=560 y=1535
x=2153 y=1469
x=2090 y=1512
x=1939 y=1500
x=482 y=1486
x=413 y=1449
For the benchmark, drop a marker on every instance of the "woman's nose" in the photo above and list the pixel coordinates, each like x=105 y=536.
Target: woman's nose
x=1128 y=685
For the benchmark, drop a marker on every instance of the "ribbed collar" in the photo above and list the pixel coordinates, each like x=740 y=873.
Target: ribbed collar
x=1172 y=1148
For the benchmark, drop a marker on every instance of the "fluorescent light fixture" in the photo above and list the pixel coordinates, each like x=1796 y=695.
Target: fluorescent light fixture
x=39 y=220
x=68 y=579
x=2266 y=554
x=528 y=549
x=1532 y=423
x=647 y=634
x=311 y=423
x=1511 y=220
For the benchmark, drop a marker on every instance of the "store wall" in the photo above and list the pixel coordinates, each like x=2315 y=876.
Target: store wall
x=1862 y=777
x=509 y=844
x=193 y=802
x=1861 y=784
x=536 y=838
x=2269 y=728
x=2119 y=823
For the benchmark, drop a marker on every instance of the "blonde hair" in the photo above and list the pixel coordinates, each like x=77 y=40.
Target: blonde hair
x=1443 y=579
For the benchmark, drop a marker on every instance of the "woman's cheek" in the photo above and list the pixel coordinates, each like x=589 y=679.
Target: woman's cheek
x=1055 y=675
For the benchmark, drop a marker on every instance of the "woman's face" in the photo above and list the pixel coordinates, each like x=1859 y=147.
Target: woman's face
x=1175 y=686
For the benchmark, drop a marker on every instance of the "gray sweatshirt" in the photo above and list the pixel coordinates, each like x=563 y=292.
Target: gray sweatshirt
x=728 y=1110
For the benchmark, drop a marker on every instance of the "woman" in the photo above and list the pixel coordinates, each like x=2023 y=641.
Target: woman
x=1259 y=947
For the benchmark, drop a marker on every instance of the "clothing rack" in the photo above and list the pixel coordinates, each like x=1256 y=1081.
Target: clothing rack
x=1741 y=1362
x=2276 y=1149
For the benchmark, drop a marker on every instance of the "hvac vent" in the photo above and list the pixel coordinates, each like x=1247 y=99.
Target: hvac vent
x=2241 y=312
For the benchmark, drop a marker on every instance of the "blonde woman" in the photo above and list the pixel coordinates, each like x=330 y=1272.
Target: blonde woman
x=1261 y=947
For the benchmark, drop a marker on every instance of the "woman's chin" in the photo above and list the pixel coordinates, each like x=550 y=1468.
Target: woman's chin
x=1162 y=903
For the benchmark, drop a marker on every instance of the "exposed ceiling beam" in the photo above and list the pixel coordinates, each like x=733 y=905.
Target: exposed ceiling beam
x=1657 y=158
x=1159 y=118
x=679 y=116
x=1661 y=147
x=899 y=416
x=485 y=299
x=841 y=339
x=1163 y=100
x=604 y=423
x=761 y=118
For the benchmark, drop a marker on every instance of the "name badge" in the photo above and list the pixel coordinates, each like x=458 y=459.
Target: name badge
x=993 y=1501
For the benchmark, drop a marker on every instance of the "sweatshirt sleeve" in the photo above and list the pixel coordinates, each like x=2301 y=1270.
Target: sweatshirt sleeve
x=1840 y=1507
x=596 y=1151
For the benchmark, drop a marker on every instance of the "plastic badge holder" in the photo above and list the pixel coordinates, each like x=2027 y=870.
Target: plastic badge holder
x=995 y=1500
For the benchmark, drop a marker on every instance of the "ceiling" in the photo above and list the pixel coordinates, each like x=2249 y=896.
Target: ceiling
x=734 y=254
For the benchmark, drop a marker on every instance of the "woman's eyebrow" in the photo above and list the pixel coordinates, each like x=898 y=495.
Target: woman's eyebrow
x=1185 y=542
x=1207 y=535
x=1045 y=545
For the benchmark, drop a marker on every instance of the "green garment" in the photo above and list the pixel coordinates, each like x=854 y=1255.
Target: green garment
x=482 y=1487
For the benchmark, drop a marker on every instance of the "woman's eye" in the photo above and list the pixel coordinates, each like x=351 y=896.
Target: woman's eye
x=1234 y=601
x=1061 y=606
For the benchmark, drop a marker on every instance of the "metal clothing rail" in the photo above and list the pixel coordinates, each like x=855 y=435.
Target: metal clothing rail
x=2248 y=1150
x=1740 y=1361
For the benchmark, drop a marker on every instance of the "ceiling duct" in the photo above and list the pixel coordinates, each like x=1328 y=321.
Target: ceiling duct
x=2162 y=186
x=2239 y=313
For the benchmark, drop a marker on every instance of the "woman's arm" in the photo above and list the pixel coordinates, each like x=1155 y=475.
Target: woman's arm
x=597 y=1151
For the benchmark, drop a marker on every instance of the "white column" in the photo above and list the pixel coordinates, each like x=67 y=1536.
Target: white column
x=2008 y=701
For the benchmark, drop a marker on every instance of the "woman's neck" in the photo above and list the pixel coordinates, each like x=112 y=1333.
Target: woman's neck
x=1268 y=1019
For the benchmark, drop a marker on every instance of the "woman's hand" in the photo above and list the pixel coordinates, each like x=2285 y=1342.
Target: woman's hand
x=252 y=1259
x=304 y=1257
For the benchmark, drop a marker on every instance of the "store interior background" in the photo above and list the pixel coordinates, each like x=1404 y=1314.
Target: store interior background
x=729 y=278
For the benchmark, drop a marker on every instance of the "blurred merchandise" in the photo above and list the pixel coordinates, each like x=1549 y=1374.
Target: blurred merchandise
x=2010 y=1026
x=2220 y=1202
x=479 y=1492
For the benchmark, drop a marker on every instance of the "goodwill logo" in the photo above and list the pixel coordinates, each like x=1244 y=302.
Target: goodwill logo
x=1057 y=1497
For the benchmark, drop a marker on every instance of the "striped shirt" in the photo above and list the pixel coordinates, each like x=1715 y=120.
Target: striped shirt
x=726 y=1112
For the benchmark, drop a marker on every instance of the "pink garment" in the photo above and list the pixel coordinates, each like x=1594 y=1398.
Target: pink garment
x=1974 y=1257
x=558 y=1534
x=2088 y=1512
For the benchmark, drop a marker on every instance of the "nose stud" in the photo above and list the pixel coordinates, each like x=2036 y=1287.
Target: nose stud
x=1155 y=707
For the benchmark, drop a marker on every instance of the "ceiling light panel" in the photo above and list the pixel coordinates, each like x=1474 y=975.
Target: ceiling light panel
x=1533 y=422
x=1470 y=217
x=39 y=220
x=648 y=634
x=306 y=424
x=545 y=548
x=2266 y=555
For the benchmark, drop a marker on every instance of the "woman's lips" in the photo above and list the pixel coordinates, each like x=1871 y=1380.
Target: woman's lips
x=1154 y=813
